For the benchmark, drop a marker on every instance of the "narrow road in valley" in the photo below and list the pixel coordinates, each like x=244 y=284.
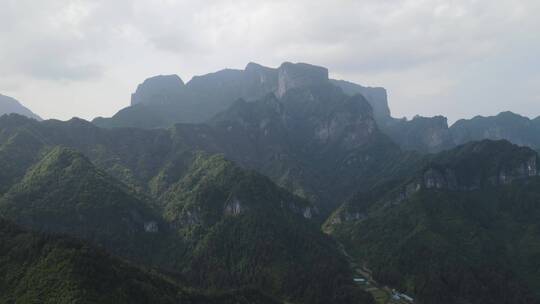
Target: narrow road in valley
x=363 y=277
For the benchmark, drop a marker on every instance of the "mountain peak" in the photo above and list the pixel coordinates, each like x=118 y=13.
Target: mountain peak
x=10 y=105
x=253 y=66
x=60 y=159
x=294 y=75
x=158 y=89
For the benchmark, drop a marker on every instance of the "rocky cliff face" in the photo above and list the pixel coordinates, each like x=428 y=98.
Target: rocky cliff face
x=376 y=96
x=425 y=134
x=334 y=131
x=432 y=134
x=474 y=166
x=234 y=207
x=169 y=101
x=305 y=121
x=299 y=75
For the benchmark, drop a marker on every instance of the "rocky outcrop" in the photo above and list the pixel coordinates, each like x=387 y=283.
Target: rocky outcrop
x=351 y=124
x=527 y=168
x=169 y=101
x=265 y=77
x=160 y=89
x=425 y=134
x=151 y=227
x=234 y=207
x=432 y=134
x=376 y=96
x=307 y=213
x=298 y=75
x=346 y=215
x=472 y=167
x=463 y=176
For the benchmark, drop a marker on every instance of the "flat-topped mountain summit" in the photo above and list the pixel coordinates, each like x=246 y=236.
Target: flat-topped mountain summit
x=164 y=100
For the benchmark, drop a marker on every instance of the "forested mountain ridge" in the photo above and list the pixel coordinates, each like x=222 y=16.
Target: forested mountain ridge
x=315 y=141
x=434 y=135
x=455 y=230
x=64 y=193
x=243 y=230
x=506 y=125
x=213 y=210
x=57 y=269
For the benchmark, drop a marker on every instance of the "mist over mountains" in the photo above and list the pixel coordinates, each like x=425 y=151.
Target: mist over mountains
x=268 y=185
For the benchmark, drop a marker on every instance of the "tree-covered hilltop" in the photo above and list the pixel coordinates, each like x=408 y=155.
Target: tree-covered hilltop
x=462 y=229
x=218 y=225
x=65 y=193
x=246 y=231
x=42 y=268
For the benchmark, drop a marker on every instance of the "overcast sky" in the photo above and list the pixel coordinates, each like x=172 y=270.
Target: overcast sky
x=458 y=58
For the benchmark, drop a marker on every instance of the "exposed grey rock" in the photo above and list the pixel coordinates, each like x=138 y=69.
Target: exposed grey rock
x=151 y=227
x=168 y=101
x=298 y=75
x=234 y=207
x=434 y=179
x=307 y=213
x=525 y=169
x=425 y=134
x=376 y=96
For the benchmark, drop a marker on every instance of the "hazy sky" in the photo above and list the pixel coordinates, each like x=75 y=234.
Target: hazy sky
x=458 y=58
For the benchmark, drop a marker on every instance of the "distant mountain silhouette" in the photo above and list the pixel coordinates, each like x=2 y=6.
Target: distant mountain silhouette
x=164 y=100
x=506 y=125
x=10 y=105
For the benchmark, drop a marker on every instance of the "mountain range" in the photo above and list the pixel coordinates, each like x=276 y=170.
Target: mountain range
x=268 y=185
x=162 y=101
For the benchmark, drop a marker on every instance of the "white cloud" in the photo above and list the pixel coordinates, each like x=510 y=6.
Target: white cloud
x=434 y=56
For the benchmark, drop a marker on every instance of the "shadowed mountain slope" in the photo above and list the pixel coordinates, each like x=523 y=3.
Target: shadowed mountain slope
x=217 y=225
x=39 y=268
